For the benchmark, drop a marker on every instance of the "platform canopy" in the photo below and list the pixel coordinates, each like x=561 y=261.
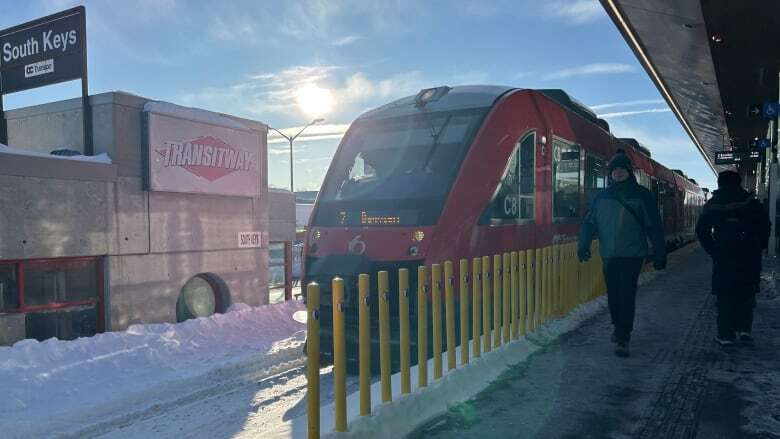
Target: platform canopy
x=713 y=61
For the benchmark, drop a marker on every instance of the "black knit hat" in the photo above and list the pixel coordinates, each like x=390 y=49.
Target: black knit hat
x=620 y=160
x=729 y=178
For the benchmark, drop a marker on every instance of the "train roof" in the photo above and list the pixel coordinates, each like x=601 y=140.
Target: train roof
x=575 y=106
x=455 y=98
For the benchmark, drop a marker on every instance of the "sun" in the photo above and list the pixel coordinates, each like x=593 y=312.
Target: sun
x=314 y=100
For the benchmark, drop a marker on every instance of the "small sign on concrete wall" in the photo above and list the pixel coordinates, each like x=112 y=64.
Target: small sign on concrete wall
x=249 y=239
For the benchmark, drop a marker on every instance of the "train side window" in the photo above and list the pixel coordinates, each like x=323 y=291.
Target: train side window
x=513 y=200
x=527 y=191
x=566 y=180
x=595 y=175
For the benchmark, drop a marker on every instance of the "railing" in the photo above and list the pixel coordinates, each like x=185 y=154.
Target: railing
x=517 y=292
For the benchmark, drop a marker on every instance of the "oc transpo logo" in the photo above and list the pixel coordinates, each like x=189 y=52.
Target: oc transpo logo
x=206 y=157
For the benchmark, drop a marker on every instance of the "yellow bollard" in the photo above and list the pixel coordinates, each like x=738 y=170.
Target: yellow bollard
x=545 y=285
x=436 y=314
x=422 y=326
x=384 y=336
x=487 y=308
x=522 y=288
x=497 y=279
x=506 y=291
x=557 y=278
x=476 y=309
x=530 y=293
x=339 y=355
x=449 y=313
x=403 y=324
x=464 y=310
x=313 y=359
x=538 y=264
x=364 y=344
x=514 y=291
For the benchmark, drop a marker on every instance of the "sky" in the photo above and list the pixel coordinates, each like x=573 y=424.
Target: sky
x=258 y=59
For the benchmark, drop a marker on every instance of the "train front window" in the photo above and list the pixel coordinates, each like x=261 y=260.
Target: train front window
x=397 y=171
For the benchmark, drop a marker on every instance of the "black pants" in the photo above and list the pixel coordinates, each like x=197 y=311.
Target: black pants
x=735 y=313
x=621 y=275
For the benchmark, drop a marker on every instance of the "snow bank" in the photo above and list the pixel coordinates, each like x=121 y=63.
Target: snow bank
x=73 y=383
x=195 y=114
x=100 y=158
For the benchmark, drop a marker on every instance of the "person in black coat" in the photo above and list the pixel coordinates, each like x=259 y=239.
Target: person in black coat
x=734 y=230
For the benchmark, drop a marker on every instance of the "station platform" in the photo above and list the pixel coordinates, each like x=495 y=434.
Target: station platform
x=677 y=383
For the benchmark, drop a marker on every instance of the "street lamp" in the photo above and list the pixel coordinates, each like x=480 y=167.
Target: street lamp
x=291 y=139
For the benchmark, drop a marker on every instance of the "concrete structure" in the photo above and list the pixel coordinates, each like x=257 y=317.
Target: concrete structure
x=148 y=244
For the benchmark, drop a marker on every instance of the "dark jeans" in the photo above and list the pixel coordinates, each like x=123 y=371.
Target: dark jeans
x=621 y=275
x=735 y=313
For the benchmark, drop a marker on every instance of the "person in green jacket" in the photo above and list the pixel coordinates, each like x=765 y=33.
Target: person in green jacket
x=624 y=216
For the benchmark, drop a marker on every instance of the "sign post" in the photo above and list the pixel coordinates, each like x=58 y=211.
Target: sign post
x=42 y=52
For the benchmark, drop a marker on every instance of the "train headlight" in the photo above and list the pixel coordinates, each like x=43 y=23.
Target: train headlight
x=315 y=235
x=413 y=250
x=418 y=236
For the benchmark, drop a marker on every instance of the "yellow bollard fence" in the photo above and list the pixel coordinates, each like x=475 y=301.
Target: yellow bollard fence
x=422 y=327
x=476 y=309
x=506 y=292
x=486 y=304
x=313 y=359
x=449 y=313
x=497 y=300
x=339 y=355
x=364 y=344
x=545 y=284
x=384 y=336
x=436 y=317
x=403 y=324
x=514 y=291
x=464 y=311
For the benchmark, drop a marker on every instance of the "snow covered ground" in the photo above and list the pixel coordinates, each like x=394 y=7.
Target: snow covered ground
x=95 y=385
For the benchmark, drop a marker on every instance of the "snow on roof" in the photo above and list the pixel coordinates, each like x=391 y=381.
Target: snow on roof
x=196 y=114
x=103 y=158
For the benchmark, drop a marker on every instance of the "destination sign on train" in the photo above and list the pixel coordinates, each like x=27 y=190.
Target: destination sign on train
x=43 y=51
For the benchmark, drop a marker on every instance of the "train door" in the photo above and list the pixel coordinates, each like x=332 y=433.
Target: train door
x=566 y=184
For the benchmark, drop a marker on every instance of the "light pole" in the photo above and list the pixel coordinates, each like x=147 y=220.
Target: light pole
x=291 y=139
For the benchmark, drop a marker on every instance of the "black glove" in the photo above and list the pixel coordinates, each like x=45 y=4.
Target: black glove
x=659 y=264
x=583 y=254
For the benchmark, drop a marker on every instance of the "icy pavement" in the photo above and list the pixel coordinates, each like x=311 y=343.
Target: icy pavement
x=677 y=382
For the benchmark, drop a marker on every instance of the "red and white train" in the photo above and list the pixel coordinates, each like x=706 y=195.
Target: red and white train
x=468 y=171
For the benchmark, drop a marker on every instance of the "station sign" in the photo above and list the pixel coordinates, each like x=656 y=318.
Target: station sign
x=42 y=52
x=736 y=157
x=192 y=156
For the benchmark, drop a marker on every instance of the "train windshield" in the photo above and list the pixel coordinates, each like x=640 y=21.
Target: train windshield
x=397 y=171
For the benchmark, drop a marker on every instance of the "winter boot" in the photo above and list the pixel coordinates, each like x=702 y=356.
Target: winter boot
x=745 y=338
x=622 y=349
x=723 y=341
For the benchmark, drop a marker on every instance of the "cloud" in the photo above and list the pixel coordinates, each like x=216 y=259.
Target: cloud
x=633 y=113
x=626 y=104
x=349 y=39
x=591 y=69
x=575 y=12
